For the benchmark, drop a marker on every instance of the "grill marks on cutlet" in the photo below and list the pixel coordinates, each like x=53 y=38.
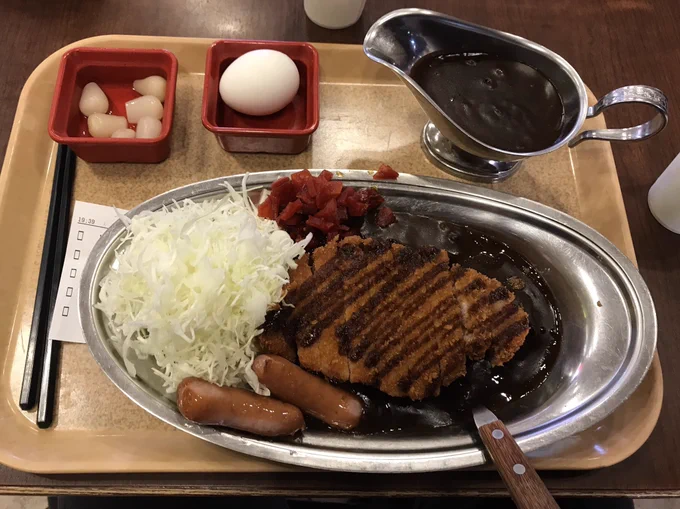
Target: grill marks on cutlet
x=359 y=267
x=499 y=294
x=496 y=325
x=505 y=344
x=372 y=278
x=405 y=360
x=473 y=288
x=378 y=336
x=401 y=318
x=452 y=365
x=442 y=332
x=435 y=314
x=411 y=274
x=412 y=289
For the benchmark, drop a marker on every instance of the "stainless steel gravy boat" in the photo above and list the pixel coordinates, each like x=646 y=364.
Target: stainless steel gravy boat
x=401 y=38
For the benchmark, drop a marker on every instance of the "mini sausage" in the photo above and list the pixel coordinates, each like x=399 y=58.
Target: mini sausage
x=312 y=394
x=207 y=403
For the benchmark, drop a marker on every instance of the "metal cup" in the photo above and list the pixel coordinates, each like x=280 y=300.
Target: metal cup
x=401 y=38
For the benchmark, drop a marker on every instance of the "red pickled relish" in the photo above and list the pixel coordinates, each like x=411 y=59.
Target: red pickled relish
x=385 y=172
x=304 y=203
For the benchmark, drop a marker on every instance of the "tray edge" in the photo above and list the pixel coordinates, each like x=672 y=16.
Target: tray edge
x=107 y=39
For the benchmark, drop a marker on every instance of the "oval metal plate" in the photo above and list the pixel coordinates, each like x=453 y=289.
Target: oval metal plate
x=608 y=317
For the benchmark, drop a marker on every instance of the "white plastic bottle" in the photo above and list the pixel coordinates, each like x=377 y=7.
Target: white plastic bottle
x=664 y=197
x=334 y=14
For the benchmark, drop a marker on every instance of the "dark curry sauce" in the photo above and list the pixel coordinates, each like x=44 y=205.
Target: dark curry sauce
x=501 y=102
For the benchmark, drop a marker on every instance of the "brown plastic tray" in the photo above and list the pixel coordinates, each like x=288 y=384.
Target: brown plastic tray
x=367 y=117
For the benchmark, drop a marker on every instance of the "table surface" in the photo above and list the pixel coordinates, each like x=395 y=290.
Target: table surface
x=610 y=42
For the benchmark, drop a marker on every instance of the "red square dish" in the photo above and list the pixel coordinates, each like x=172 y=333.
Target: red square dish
x=113 y=70
x=285 y=132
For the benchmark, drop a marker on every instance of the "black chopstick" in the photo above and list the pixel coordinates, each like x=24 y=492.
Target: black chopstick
x=37 y=339
x=50 y=360
x=48 y=384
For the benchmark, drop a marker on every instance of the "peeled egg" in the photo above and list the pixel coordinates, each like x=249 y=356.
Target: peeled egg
x=101 y=125
x=149 y=127
x=123 y=133
x=260 y=82
x=145 y=106
x=93 y=100
x=153 y=85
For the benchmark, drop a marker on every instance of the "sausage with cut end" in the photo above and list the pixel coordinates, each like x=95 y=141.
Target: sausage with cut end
x=206 y=403
x=312 y=394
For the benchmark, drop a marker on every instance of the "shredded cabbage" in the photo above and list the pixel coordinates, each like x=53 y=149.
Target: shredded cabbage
x=191 y=285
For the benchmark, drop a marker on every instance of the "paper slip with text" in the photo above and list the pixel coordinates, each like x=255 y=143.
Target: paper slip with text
x=88 y=223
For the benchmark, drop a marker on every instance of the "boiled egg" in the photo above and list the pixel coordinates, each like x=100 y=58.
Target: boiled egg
x=260 y=82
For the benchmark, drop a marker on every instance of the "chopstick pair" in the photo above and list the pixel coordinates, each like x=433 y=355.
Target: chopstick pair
x=42 y=355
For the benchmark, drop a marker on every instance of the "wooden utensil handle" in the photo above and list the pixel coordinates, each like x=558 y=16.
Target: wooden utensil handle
x=524 y=484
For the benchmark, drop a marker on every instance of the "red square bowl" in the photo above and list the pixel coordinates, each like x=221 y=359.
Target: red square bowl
x=113 y=70
x=285 y=132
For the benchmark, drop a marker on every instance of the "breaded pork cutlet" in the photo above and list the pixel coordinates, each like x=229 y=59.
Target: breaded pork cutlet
x=398 y=318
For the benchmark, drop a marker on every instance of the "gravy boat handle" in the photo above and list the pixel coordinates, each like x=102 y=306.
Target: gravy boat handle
x=630 y=94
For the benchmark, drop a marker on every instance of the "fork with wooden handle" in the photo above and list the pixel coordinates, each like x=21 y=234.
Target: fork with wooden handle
x=525 y=486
